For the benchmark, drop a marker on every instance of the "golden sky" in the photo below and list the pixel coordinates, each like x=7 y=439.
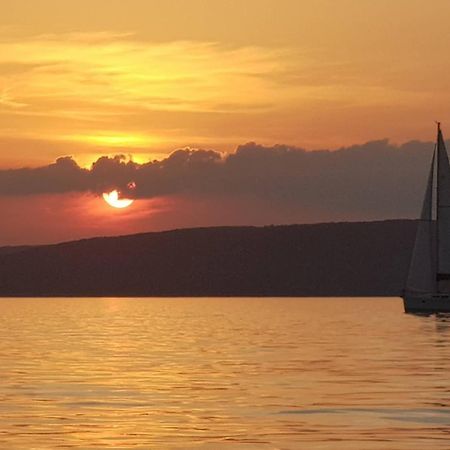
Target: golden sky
x=143 y=77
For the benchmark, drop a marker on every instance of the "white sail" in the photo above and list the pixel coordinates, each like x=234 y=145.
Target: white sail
x=422 y=270
x=428 y=284
x=443 y=209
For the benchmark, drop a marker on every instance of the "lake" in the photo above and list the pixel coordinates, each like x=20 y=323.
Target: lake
x=125 y=373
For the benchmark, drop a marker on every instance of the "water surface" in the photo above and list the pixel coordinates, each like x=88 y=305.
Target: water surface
x=222 y=374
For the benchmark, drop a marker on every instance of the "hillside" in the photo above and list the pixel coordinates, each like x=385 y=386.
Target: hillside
x=332 y=259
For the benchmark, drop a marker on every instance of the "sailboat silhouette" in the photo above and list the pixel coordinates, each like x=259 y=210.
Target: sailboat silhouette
x=428 y=285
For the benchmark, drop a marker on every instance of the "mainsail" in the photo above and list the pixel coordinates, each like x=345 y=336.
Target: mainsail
x=443 y=209
x=430 y=263
x=422 y=271
x=428 y=285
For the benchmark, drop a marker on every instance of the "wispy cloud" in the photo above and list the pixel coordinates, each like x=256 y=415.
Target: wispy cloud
x=104 y=84
x=115 y=70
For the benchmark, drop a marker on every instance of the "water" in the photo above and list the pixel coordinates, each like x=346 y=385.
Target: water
x=222 y=374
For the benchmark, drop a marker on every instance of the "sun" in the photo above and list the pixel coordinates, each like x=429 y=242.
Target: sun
x=112 y=198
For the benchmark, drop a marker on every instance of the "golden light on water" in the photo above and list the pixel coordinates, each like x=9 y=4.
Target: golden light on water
x=174 y=374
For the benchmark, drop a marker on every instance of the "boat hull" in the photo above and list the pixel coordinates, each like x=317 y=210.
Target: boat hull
x=426 y=303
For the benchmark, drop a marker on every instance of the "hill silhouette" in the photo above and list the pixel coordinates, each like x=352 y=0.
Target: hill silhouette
x=329 y=259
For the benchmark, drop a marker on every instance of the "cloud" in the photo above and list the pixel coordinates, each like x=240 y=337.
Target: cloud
x=373 y=180
x=115 y=70
x=110 y=86
x=62 y=176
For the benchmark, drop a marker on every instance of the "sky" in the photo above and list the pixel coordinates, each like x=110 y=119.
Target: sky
x=226 y=112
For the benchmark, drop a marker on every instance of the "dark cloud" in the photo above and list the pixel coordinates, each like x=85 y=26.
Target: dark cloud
x=376 y=179
x=62 y=176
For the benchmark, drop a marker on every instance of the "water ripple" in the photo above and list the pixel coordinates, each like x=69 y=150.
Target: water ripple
x=265 y=374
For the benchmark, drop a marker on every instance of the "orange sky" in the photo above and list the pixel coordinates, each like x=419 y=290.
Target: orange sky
x=91 y=77
x=142 y=78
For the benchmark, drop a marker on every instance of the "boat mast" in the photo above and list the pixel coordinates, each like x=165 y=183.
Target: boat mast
x=438 y=148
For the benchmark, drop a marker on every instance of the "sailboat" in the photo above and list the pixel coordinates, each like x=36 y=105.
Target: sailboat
x=428 y=284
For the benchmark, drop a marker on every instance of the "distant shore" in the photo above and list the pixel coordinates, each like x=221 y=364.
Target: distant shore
x=329 y=259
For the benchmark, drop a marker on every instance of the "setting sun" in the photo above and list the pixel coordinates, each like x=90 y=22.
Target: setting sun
x=112 y=198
